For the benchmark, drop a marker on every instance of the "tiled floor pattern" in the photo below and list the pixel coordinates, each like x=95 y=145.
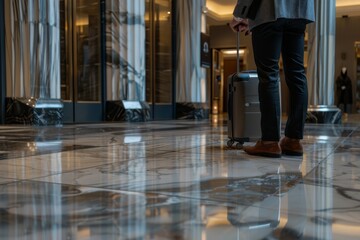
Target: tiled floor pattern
x=175 y=180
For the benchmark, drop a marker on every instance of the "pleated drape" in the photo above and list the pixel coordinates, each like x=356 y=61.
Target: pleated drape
x=189 y=74
x=125 y=49
x=32 y=42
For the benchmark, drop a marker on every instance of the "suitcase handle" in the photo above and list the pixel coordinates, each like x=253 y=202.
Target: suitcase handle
x=237 y=52
x=230 y=103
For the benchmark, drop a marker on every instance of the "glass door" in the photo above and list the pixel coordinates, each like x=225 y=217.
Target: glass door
x=159 y=73
x=80 y=36
x=2 y=64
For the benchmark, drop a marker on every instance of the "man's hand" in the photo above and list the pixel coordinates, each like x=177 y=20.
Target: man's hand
x=240 y=24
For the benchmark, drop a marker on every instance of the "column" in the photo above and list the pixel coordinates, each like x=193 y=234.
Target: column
x=321 y=72
x=2 y=65
x=125 y=61
x=32 y=46
x=191 y=100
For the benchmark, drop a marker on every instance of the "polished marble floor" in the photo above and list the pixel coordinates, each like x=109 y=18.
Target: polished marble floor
x=175 y=180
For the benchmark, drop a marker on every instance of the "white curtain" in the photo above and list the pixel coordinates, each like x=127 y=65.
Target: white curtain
x=125 y=49
x=32 y=42
x=189 y=75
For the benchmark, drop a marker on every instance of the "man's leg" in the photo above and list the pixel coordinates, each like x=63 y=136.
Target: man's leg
x=293 y=57
x=267 y=41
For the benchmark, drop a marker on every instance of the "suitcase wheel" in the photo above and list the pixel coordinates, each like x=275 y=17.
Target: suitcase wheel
x=239 y=145
x=230 y=143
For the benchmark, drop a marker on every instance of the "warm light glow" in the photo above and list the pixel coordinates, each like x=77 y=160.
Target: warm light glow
x=216 y=220
x=219 y=7
x=233 y=52
x=82 y=21
x=346 y=3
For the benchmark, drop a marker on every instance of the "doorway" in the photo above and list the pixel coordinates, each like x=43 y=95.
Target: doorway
x=81 y=68
x=224 y=65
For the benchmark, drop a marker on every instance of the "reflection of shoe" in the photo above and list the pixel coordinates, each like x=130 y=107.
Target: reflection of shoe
x=290 y=234
x=266 y=149
x=291 y=146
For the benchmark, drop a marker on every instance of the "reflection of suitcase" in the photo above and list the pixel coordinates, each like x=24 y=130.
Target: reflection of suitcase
x=243 y=105
x=243 y=108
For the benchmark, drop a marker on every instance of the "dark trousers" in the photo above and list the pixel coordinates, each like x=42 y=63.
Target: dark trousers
x=285 y=37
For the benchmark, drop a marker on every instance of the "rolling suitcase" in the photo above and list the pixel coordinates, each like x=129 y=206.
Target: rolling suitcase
x=243 y=106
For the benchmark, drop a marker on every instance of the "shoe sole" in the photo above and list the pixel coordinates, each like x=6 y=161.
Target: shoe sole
x=292 y=153
x=265 y=154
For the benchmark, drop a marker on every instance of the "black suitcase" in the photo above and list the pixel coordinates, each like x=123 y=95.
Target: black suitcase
x=243 y=106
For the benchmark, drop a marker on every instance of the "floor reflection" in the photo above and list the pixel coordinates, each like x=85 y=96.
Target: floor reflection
x=175 y=180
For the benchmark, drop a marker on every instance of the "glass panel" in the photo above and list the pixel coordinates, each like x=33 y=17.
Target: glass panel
x=65 y=58
x=87 y=34
x=158 y=51
x=149 y=50
x=163 y=46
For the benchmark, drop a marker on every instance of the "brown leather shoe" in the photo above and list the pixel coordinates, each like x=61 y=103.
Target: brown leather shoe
x=266 y=149
x=291 y=146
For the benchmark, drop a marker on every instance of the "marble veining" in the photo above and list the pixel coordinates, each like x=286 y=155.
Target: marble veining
x=125 y=60
x=116 y=111
x=175 y=180
x=36 y=112
x=188 y=110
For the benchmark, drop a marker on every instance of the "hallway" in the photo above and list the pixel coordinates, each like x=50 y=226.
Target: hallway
x=175 y=180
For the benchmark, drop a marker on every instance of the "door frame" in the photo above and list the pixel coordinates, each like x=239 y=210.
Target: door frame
x=84 y=111
x=2 y=65
x=162 y=111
